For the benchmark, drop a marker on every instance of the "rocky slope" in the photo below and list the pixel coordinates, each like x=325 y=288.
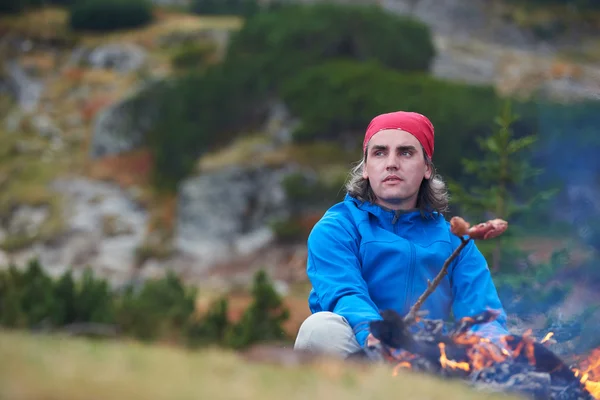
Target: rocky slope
x=72 y=102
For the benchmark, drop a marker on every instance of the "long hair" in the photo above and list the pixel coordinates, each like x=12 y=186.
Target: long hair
x=432 y=196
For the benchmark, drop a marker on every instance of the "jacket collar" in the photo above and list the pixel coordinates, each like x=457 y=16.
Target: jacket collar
x=411 y=215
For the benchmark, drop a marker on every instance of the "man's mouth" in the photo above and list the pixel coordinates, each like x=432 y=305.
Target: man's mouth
x=392 y=178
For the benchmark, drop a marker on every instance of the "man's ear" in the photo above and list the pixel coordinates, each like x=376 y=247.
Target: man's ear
x=427 y=171
x=364 y=174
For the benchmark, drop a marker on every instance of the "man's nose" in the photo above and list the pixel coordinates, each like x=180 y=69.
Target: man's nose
x=393 y=162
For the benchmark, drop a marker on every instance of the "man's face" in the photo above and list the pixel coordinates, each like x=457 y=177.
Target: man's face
x=395 y=168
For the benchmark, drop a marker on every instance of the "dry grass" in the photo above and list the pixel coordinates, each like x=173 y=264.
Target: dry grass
x=36 y=367
x=530 y=15
x=24 y=177
x=166 y=22
x=129 y=169
x=256 y=150
x=46 y=23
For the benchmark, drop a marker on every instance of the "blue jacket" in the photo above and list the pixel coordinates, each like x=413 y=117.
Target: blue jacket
x=363 y=259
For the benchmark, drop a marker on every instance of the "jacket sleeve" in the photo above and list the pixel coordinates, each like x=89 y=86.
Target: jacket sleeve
x=474 y=292
x=334 y=269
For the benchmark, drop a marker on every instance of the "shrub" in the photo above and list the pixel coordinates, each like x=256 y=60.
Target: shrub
x=263 y=319
x=197 y=113
x=194 y=55
x=350 y=94
x=243 y=8
x=157 y=309
x=276 y=45
x=12 y=6
x=160 y=308
x=205 y=109
x=107 y=15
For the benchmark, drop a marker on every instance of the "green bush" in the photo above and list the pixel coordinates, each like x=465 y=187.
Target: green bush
x=161 y=309
x=201 y=110
x=198 y=112
x=243 y=8
x=12 y=6
x=276 y=45
x=263 y=319
x=194 y=55
x=108 y=15
x=350 y=94
x=158 y=309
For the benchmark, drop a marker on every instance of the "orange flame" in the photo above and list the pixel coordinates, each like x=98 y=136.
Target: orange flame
x=589 y=373
x=483 y=354
x=450 y=363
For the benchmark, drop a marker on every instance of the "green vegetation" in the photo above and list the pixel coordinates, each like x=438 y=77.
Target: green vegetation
x=351 y=93
x=501 y=173
x=243 y=8
x=162 y=309
x=195 y=55
x=284 y=42
x=108 y=15
x=24 y=177
x=203 y=110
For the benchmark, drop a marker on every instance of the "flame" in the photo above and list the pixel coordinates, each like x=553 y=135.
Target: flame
x=547 y=337
x=450 y=363
x=589 y=373
x=483 y=353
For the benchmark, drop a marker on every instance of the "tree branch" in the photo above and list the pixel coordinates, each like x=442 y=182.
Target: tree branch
x=461 y=228
x=412 y=314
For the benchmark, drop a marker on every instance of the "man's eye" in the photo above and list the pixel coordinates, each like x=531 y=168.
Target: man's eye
x=379 y=153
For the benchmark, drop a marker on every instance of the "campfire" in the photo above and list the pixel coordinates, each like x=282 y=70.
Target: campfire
x=518 y=364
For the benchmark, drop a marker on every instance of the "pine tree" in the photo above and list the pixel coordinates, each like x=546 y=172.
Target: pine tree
x=263 y=319
x=501 y=172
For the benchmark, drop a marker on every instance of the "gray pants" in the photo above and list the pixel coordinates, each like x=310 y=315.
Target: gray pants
x=327 y=333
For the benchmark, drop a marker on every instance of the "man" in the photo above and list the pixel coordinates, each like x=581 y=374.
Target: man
x=378 y=248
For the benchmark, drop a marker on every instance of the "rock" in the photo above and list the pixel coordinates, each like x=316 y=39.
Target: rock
x=25 y=89
x=27 y=220
x=227 y=213
x=113 y=226
x=117 y=129
x=280 y=124
x=467 y=19
x=84 y=242
x=74 y=120
x=463 y=64
x=120 y=57
x=44 y=126
x=569 y=90
x=4 y=260
x=13 y=120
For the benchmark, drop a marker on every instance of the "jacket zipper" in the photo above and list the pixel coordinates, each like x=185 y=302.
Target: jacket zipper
x=410 y=287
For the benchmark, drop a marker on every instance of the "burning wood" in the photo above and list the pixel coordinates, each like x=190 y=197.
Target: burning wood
x=512 y=363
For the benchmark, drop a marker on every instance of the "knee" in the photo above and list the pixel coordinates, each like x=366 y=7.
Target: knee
x=327 y=332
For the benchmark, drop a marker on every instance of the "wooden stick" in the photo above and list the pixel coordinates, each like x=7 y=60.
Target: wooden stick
x=411 y=317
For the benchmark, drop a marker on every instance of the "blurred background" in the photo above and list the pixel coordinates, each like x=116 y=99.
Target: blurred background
x=162 y=163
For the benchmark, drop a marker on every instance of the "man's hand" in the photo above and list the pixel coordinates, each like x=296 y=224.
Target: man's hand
x=373 y=349
x=372 y=341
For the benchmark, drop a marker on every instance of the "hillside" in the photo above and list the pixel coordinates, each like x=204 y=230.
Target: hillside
x=35 y=367
x=75 y=178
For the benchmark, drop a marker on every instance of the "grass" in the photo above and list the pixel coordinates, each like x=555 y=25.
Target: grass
x=44 y=367
x=45 y=23
x=24 y=178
